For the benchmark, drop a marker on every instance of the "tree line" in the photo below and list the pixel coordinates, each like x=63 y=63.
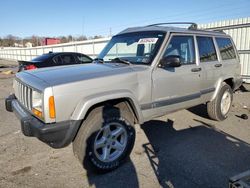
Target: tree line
x=15 y=41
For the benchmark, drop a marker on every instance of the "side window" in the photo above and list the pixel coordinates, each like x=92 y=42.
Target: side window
x=207 y=50
x=82 y=59
x=67 y=59
x=226 y=48
x=57 y=60
x=182 y=46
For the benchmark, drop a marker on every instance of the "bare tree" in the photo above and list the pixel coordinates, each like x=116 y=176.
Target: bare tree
x=70 y=38
x=10 y=40
x=81 y=38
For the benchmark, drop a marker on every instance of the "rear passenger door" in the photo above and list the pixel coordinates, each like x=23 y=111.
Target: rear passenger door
x=56 y=60
x=228 y=56
x=209 y=62
x=67 y=59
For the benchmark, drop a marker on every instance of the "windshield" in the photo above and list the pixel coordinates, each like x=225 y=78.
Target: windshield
x=136 y=48
x=42 y=57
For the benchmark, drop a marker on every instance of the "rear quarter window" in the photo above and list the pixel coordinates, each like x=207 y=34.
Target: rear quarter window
x=226 y=48
x=82 y=59
x=207 y=50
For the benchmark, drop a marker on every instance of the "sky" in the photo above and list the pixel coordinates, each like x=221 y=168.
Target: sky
x=51 y=18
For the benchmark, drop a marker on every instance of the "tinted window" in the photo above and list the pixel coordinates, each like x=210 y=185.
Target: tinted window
x=206 y=49
x=182 y=46
x=226 y=48
x=67 y=59
x=57 y=60
x=82 y=59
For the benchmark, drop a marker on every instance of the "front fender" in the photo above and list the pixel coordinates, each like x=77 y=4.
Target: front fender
x=87 y=102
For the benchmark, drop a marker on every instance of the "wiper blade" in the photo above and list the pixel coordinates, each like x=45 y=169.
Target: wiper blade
x=100 y=60
x=119 y=60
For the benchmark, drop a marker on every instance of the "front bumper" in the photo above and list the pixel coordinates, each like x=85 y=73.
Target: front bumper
x=57 y=135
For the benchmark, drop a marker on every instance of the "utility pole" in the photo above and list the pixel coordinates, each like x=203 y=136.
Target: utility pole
x=83 y=22
x=110 y=32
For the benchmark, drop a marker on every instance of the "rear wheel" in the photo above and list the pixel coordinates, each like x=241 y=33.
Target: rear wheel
x=106 y=138
x=220 y=106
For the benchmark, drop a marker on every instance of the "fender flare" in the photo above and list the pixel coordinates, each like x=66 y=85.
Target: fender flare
x=218 y=86
x=87 y=102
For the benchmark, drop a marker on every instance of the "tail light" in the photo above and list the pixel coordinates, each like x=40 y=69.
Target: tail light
x=30 y=67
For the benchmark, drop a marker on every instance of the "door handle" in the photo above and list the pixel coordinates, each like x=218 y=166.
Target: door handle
x=218 y=65
x=196 y=69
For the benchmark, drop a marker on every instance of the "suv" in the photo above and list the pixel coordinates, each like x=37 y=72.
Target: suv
x=142 y=73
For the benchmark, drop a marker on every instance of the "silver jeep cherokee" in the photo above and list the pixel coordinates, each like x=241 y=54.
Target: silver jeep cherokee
x=142 y=73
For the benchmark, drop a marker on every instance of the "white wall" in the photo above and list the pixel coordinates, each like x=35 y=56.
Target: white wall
x=88 y=47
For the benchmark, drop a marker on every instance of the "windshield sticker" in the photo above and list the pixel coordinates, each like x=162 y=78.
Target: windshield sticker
x=148 y=41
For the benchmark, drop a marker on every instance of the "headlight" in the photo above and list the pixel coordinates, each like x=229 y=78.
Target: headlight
x=37 y=103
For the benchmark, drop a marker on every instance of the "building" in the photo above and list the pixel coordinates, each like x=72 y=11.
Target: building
x=18 y=45
x=28 y=44
x=50 y=41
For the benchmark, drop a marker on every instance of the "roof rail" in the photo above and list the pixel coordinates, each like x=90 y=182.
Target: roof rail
x=192 y=25
x=215 y=30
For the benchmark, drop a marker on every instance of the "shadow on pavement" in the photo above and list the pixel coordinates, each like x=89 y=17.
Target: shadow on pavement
x=124 y=176
x=196 y=157
x=200 y=110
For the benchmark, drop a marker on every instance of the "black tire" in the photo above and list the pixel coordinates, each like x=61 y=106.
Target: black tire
x=83 y=145
x=214 y=107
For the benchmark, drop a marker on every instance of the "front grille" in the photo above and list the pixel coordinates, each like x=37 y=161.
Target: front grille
x=23 y=93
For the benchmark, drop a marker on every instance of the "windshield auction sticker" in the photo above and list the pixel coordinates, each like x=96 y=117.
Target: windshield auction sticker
x=148 y=41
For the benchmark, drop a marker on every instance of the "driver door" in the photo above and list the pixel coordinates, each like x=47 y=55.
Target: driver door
x=177 y=87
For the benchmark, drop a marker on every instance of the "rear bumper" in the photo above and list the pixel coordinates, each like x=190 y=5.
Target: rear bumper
x=57 y=135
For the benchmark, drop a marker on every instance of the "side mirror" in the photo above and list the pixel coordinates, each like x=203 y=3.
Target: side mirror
x=171 y=61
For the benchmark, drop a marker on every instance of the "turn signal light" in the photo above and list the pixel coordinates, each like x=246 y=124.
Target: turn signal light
x=37 y=113
x=52 y=110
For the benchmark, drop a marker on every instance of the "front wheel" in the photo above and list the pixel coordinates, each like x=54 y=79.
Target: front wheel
x=220 y=106
x=105 y=139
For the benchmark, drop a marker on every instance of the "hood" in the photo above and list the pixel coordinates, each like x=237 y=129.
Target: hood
x=73 y=73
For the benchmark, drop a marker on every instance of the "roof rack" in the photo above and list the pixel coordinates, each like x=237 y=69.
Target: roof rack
x=215 y=30
x=192 y=25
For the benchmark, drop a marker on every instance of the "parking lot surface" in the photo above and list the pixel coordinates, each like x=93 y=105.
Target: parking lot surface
x=183 y=149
